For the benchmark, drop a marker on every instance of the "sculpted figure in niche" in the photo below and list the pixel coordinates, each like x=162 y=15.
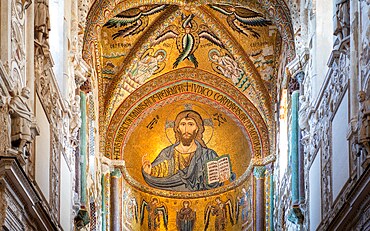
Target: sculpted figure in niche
x=182 y=166
x=21 y=115
x=364 y=120
x=4 y=121
x=302 y=115
x=42 y=20
x=75 y=120
x=342 y=19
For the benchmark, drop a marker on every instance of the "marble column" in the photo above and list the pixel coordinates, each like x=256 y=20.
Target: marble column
x=259 y=174
x=103 y=205
x=354 y=84
x=30 y=54
x=354 y=59
x=270 y=170
x=115 y=200
x=301 y=192
x=83 y=147
x=295 y=215
x=30 y=75
x=5 y=38
x=294 y=143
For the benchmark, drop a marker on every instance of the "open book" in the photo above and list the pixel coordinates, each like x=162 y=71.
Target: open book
x=218 y=169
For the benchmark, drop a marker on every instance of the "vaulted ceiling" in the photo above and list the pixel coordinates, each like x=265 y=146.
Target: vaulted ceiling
x=240 y=45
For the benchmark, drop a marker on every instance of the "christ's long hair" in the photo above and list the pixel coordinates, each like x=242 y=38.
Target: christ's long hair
x=190 y=114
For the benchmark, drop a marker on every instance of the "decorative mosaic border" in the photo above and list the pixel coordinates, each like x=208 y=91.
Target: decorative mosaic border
x=116 y=131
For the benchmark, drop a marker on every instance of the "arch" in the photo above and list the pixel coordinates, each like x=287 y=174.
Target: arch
x=146 y=96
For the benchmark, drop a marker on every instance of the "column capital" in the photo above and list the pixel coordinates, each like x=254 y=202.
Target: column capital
x=259 y=172
x=299 y=76
x=116 y=173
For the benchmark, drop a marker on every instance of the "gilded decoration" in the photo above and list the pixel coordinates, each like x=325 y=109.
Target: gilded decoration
x=135 y=42
x=233 y=130
x=186 y=38
x=229 y=211
x=161 y=90
x=212 y=65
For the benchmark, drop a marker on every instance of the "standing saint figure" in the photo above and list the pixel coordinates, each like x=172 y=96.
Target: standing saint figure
x=42 y=21
x=364 y=120
x=182 y=166
x=21 y=115
x=342 y=19
x=185 y=218
x=245 y=204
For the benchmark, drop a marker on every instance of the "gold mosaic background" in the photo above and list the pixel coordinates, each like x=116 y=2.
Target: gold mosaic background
x=224 y=138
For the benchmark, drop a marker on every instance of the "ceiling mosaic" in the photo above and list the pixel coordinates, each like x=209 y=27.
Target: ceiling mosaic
x=186 y=103
x=136 y=42
x=227 y=128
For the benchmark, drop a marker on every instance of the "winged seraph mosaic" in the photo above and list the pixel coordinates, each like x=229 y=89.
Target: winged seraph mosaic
x=242 y=19
x=187 y=38
x=134 y=20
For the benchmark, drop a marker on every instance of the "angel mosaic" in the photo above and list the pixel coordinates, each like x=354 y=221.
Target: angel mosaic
x=156 y=210
x=224 y=64
x=149 y=64
x=241 y=19
x=134 y=20
x=222 y=211
x=187 y=38
x=185 y=218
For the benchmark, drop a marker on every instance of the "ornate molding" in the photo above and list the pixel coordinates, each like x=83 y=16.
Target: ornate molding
x=22 y=202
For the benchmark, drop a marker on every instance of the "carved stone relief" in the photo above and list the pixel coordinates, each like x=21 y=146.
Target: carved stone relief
x=55 y=174
x=341 y=20
x=42 y=22
x=53 y=105
x=18 y=55
x=4 y=119
x=320 y=128
x=365 y=45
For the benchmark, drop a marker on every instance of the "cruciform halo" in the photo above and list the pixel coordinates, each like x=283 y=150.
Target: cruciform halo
x=207 y=122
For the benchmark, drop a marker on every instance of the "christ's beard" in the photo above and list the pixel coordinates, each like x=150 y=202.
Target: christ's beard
x=186 y=141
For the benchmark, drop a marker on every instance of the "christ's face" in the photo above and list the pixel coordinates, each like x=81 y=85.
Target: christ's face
x=188 y=129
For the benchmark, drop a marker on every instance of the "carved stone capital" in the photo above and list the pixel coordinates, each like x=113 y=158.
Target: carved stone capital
x=299 y=76
x=293 y=85
x=259 y=172
x=116 y=173
x=86 y=86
